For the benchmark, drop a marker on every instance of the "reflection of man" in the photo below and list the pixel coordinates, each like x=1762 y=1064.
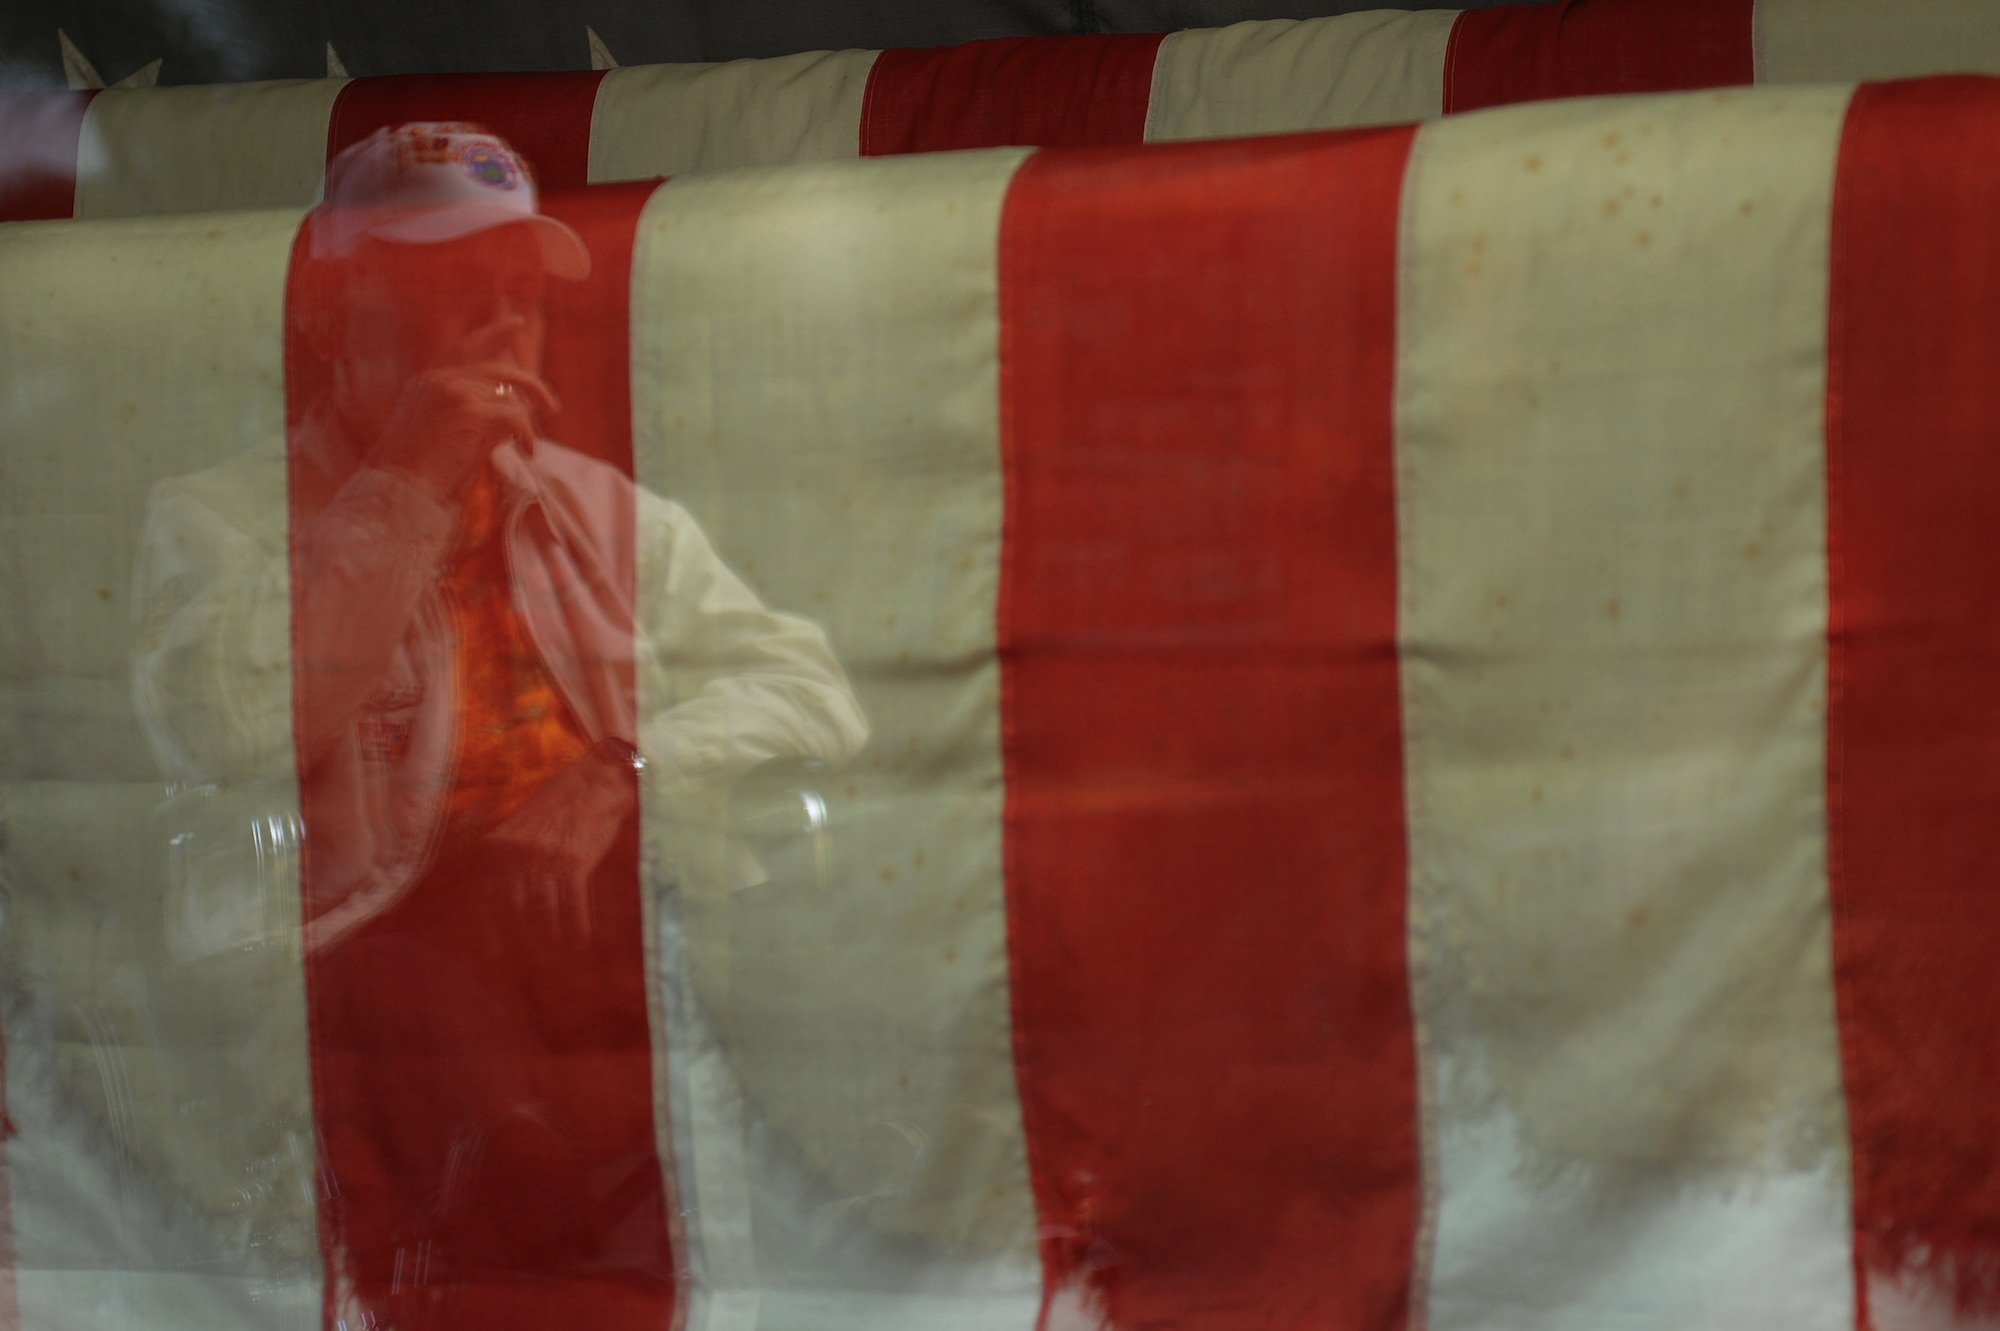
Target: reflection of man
x=452 y=631
x=464 y=591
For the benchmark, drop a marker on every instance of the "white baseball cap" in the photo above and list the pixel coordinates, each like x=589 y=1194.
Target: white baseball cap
x=433 y=181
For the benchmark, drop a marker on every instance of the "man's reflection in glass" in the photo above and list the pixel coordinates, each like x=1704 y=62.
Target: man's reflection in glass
x=471 y=611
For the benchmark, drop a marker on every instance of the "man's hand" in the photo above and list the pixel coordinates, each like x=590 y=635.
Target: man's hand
x=449 y=420
x=545 y=851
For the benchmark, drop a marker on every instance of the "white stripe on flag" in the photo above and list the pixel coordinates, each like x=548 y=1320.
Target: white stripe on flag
x=1382 y=67
x=181 y=150
x=1614 y=599
x=155 y=1019
x=1825 y=41
x=815 y=377
x=669 y=120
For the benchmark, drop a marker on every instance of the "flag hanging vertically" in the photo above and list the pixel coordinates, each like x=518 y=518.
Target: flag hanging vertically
x=1379 y=729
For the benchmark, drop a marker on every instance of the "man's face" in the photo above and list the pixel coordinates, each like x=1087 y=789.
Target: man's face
x=409 y=309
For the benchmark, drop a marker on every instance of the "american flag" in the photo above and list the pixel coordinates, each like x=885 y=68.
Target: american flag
x=125 y=151
x=1429 y=761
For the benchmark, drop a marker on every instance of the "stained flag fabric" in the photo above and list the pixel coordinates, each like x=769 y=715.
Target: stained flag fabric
x=194 y=149
x=1370 y=729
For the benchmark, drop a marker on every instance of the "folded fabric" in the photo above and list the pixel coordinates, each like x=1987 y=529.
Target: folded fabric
x=263 y=145
x=1430 y=753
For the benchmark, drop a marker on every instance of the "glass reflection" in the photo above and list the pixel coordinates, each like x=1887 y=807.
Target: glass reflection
x=483 y=650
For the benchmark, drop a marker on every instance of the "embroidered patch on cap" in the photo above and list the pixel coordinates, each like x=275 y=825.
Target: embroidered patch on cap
x=490 y=165
x=421 y=144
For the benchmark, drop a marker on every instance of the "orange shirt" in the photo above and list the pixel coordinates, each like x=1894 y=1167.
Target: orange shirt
x=515 y=729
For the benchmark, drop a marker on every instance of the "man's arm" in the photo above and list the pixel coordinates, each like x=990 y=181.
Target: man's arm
x=213 y=670
x=743 y=684
x=211 y=665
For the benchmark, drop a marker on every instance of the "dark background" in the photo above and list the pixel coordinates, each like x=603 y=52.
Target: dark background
x=226 y=41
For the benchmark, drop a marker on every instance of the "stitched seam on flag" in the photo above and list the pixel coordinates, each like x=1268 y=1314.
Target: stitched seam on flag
x=326 y=1204
x=864 y=135
x=1003 y=624
x=663 y=1134
x=1451 y=59
x=1153 y=89
x=1838 y=627
x=1423 y=1247
x=590 y=142
x=334 y=122
x=649 y=906
x=76 y=162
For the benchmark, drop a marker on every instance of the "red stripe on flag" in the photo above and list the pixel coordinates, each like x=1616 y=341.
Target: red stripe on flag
x=1585 y=48
x=546 y=117
x=482 y=1057
x=588 y=359
x=1025 y=91
x=1913 y=415
x=40 y=133
x=1205 y=832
